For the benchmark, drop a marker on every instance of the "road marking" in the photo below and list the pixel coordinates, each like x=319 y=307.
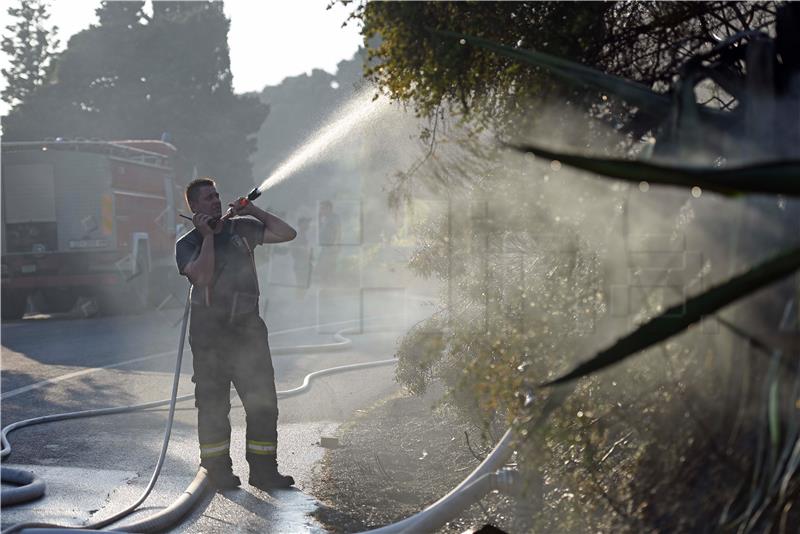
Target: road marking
x=38 y=385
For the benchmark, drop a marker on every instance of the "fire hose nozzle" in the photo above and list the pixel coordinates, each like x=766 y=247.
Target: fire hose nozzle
x=251 y=196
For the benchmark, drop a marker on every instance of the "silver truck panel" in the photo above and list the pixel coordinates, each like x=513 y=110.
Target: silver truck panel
x=81 y=181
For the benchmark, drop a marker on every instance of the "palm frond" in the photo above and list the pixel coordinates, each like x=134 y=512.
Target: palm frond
x=774 y=177
x=680 y=316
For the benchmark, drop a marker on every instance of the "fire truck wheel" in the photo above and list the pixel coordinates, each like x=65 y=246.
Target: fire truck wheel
x=59 y=300
x=14 y=304
x=119 y=301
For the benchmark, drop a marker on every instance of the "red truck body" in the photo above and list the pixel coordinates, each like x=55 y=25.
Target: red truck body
x=93 y=218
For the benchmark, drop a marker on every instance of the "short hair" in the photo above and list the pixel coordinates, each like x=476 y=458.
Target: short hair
x=192 y=187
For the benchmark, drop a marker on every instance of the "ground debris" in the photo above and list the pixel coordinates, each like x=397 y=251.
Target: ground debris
x=397 y=458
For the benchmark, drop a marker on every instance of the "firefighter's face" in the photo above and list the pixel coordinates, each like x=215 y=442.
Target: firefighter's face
x=208 y=202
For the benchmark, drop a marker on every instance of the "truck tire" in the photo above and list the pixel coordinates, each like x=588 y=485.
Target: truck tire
x=125 y=299
x=13 y=304
x=59 y=300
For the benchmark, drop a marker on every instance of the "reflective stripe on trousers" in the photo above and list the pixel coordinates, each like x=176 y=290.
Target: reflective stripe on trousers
x=209 y=450
x=261 y=447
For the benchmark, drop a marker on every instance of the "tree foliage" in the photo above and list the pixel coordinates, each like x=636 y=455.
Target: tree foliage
x=125 y=14
x=530 y=253
x=643 y=41
x=168 y=74
x=31 y=44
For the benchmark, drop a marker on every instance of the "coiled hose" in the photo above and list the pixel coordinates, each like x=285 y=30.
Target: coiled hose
x=87 y=413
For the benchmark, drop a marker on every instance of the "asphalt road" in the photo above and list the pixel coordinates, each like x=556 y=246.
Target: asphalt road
x=96 y=466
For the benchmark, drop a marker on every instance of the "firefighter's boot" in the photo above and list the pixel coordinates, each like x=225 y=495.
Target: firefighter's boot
x=273 y=480
x=264 y=475
x=220 y=473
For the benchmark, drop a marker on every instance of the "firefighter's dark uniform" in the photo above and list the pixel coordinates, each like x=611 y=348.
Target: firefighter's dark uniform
x=229 y=345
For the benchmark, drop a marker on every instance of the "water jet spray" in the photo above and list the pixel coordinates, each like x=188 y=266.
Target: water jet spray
x=336 y=129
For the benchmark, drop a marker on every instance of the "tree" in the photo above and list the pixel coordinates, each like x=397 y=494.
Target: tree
x=169 y=74
x=120 y=13
x=31 y=45
x=643 y=41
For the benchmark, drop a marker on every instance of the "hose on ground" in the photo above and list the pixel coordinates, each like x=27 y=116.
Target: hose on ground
x=167 y=517
x=446 y=508
x=31 y=486
x=179 y=508
x=161 y=457
x=443 y=510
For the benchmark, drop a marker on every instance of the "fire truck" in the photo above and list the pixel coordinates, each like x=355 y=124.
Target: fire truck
x=87 y=218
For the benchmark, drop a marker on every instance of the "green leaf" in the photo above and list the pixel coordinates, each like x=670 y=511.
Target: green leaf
x=648 y=101
x=679 y=317
x=774 y=177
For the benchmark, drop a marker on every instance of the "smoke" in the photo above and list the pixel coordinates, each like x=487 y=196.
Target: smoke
x=651 y=246
x=520 y=226
x=494 y=261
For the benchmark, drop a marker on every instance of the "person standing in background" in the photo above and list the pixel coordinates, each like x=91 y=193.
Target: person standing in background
x=330 y=235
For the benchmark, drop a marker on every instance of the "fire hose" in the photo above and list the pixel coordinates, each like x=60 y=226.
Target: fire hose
x=32 y=487
x=489 y=475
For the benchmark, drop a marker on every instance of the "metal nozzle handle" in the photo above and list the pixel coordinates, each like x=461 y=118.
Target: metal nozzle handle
x=251 y=196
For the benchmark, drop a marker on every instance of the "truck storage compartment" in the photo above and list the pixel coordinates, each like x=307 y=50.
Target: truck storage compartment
x=29 y=208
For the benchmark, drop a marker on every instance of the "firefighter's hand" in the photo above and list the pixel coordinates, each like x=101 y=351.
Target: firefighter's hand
x=241 y=206
x=200 y=221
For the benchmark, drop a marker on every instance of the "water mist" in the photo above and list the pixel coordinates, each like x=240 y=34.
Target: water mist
x=352 y=116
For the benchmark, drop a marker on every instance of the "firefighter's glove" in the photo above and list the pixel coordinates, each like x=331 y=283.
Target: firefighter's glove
x=241 y=206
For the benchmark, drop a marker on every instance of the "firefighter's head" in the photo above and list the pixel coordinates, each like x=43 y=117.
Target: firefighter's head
x=202 y=197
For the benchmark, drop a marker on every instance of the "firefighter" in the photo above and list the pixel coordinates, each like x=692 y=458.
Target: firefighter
x=227 y=336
